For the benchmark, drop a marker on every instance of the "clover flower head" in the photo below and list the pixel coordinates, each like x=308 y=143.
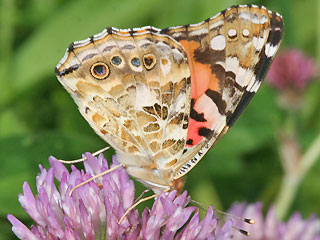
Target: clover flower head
x=269 y=228
x=292 y=69
x=94 y=209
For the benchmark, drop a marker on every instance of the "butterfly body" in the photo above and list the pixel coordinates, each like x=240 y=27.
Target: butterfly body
x=162 y=98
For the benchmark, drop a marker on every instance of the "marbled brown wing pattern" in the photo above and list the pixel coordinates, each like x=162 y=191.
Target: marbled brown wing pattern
x=133 y=87
x=229 y=55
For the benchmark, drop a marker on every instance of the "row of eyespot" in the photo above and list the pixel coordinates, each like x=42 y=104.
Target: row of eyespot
x=100 y=70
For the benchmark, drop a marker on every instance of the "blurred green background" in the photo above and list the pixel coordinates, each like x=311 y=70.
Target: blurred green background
x=38 y=118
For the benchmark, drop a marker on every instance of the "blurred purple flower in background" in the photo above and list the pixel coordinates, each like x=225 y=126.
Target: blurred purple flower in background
x=269 y=228
x=93 y=213
x=292 y=69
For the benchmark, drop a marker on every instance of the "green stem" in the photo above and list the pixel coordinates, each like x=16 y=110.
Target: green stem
x=292 y=179
x=288 y=189
x=310 y=157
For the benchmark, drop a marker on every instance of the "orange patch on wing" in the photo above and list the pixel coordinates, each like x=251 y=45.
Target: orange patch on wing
x=202 y=79
x=193 y=129
x=201 y=76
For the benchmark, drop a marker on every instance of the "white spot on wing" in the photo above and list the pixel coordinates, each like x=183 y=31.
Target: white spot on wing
x=177 y=55
x=216 y=24
x=143 y=96
x=258 y=43
x=210 y=110
x=255 y=19
x=264 y=19
x=254 y=85
x=242 y=76
x=218 y=42
x=245 y=15
x=232 y=33
x=270 y=50
x=232 y=64
x=245 y=32
x=199 y=31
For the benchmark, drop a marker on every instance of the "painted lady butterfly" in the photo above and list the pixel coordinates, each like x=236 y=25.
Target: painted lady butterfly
x=163 y=97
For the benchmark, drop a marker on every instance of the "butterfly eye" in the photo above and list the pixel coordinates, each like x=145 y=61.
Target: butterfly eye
x=116 y=60
x=149 y=61
x=99 y=70
x=135 y=62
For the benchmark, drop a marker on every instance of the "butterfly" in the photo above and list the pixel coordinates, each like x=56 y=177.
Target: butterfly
x=163 y=97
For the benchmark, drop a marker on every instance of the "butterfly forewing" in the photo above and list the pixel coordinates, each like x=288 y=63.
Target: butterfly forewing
x=228 y=60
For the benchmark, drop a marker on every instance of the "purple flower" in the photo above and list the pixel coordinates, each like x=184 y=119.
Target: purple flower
x=94 y=209
x=269 y=228
x=291 y=69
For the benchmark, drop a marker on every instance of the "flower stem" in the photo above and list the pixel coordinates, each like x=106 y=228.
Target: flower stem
x=286 y=194
x=293 y=177
x=311 y=156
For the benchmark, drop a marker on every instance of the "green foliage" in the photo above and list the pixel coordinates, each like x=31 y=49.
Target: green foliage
x=38 y=118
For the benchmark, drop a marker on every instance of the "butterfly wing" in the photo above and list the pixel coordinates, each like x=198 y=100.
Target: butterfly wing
x=229 y=55
x=133 y=87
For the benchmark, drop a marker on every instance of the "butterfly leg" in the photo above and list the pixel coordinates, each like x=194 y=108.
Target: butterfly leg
x=136 y=204
x=96 y=176
x=140 y=196
x=83 y=159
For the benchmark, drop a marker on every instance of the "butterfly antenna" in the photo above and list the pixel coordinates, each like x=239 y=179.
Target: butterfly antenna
x=83 y=159
x=244 y=232
x=246 y=220
x=202 y=206
x=96 y=176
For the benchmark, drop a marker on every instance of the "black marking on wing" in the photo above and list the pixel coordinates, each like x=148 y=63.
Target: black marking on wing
x=199 y=117
x=217 y=99
x=205 y=132
x=233 y=117
x=208 y=56
x=109 y=30
x=189 y=142
x=164 y=31
x=89 y=56
x=67 y=70
x=274 y=39
x=132 y=32
x=71 y=47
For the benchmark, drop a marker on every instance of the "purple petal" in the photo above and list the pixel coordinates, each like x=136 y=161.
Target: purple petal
x=20 y=230
x=28 y=202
